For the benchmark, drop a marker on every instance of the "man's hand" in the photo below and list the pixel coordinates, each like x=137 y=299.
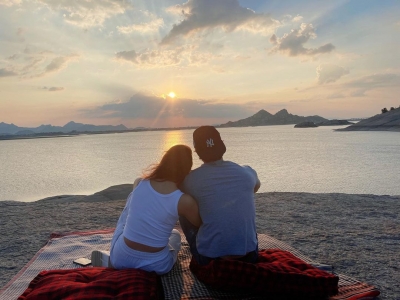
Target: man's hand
x=257 y=186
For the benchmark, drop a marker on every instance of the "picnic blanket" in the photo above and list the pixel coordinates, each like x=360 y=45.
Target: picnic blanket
x=180 y=283
x=276 y=273
x=93 y=283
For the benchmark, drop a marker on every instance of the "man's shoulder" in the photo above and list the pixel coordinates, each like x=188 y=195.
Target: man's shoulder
x=244 y=170
x=202 y=171
x=229 y=166
x=241 y=167
x=194 y=174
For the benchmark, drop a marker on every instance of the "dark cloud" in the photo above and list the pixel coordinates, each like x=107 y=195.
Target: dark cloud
x=7 y=73
x=292 y=43
x=13 y=57
x=163 y=57
x=127 y=55
x=55 y=89
x=210 y=14
x=56 y=65
x=151 y=107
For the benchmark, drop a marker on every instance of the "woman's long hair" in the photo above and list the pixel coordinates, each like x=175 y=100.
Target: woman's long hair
x=174 y=165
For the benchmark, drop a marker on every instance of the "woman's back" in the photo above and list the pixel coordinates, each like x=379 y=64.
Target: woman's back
x=144 y=237
x=152 y=213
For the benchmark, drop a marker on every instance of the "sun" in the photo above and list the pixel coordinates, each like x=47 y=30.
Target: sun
x=171 y=95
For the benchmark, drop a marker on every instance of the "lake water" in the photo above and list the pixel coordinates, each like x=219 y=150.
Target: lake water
x=287 y=159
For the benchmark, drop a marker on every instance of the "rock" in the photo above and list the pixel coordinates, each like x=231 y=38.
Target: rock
x=306 y=124
x=334 y=123
x=388 y=121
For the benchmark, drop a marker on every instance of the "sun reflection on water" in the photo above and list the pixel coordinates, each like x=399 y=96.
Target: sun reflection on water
x=172 y=138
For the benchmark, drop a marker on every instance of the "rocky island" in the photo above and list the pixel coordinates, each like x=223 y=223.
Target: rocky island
x=386 y=121
x=264 y=118
x=306 y=124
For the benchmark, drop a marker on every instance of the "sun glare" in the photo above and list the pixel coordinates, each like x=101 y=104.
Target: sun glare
x=171 y=95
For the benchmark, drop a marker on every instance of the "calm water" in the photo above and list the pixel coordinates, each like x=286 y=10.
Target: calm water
x=315 y=160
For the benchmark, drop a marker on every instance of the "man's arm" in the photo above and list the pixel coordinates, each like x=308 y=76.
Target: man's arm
x=188 y=208
x=254 y=174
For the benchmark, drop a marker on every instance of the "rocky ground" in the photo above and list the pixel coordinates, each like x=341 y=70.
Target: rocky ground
x=358 y=234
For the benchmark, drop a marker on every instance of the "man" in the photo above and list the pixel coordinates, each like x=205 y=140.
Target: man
x=225 y=194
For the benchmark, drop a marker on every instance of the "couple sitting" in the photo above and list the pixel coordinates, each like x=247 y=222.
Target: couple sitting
x=214 y=204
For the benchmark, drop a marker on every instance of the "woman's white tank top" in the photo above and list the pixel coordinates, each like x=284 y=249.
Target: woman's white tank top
x=151 y=215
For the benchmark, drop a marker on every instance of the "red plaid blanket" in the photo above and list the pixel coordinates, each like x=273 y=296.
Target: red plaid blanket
x=92 y=283
x=277 y=273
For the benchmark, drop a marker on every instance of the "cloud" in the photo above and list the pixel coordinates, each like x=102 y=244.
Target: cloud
x=152 y=26
x=56 y=65
x=297 y=18
x=287 y=19
x=292 y=43
x=210 y=14
x=9 y=2
x=151 y=58
x=7 y=73
x=187 y=54
x=32 y=65
x=335 y=96
x=87 y=13
x=327 y=73
x=54 y=88
x=152 y=107
x=33 y=62
x=371 y=82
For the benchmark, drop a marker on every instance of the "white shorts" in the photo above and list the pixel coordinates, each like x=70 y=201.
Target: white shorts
x=124 y=257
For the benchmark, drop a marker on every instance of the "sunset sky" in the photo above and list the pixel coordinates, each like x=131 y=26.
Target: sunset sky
x=177 y=63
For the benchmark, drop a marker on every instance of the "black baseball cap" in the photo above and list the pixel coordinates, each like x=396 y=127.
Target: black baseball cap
x=208 y=143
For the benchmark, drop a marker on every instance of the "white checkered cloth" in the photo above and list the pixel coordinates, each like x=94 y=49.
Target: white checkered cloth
x=180 y=283
x=59 y=253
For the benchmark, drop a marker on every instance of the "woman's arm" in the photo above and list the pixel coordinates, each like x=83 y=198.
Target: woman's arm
x=188 y=208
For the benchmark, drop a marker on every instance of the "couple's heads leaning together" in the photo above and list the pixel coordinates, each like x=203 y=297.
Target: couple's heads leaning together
x=214 y=204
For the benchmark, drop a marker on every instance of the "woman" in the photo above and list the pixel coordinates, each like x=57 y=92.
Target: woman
x=144 y=237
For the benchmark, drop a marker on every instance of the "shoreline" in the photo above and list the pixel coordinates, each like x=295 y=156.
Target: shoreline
x=78 y=197
x=10 y=137
x=359 y=234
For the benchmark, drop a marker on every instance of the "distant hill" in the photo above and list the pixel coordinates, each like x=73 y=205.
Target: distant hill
x=11 y=129
x=282 y=117
x=389 y=121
